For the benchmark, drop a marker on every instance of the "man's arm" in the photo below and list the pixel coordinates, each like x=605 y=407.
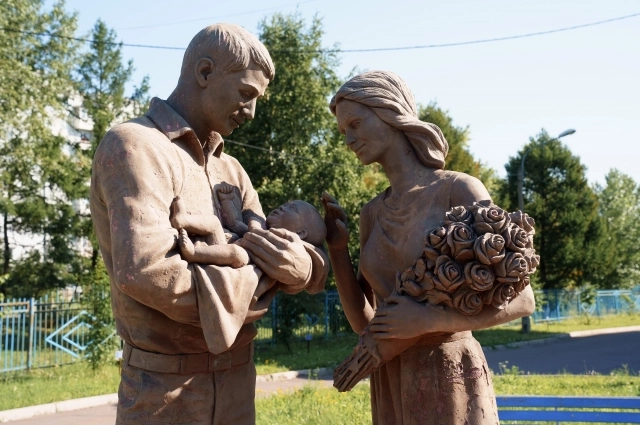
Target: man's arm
x=131 y=193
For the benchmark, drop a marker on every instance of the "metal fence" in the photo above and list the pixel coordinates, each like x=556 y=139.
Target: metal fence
x=561 y=304
x=41 y=332
x=52 y=330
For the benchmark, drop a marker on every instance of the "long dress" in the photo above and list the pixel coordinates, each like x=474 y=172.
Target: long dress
x=444 y=378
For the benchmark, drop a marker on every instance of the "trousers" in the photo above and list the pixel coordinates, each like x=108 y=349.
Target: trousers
x=206 y=391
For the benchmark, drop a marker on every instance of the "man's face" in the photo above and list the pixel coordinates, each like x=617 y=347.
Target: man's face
x=230 y=99
x=286 y=216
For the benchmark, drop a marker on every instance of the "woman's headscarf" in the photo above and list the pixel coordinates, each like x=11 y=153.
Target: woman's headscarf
x=391 y=100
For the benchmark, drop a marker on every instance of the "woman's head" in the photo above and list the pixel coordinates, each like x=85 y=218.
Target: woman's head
x=389 y=97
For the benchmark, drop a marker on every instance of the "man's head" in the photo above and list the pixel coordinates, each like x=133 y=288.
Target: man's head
x=299 y=217
x=224 y=70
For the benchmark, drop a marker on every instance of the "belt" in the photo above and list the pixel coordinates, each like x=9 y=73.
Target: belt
x=186 y=364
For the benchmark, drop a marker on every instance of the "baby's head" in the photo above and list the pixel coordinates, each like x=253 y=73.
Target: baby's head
x=299 y=217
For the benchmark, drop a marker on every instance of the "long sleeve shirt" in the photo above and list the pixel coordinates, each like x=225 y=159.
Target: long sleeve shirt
x=160 y=302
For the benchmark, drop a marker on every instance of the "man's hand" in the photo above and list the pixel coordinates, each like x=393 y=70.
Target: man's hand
x=280 y=254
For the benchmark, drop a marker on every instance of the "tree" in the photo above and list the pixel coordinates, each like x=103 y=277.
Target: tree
x=300 y=151
x=101 y=78
x=558 y=197
x=40 y=177
x=459 y=157
x=619 y=207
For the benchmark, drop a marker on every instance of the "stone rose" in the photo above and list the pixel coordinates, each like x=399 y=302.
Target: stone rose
x=435 y=244
x=478 y=276
x=517 y=239
x=512 y=268
x=449 y=275
x=416 y=289
x=457 y=215
x=500 y=295
x=460 y=238
x=489 y=248
x=490 y=220
x=533 y=261
x=467 y=301
x=521 y=284
x=523 y=221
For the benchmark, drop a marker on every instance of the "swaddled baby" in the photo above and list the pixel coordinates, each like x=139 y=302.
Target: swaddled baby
x=297 y=216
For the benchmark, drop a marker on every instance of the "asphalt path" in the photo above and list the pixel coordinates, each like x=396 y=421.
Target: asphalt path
x=600 y=354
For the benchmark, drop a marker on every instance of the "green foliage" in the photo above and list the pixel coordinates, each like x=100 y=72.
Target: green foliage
x=556 y=194
x=102 y=77
x=619 y=207
x=40 y=175
x=294 y=118
x=97 y=300
x=459 y=157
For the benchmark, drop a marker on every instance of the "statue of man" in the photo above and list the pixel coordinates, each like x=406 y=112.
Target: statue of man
x=187 y=328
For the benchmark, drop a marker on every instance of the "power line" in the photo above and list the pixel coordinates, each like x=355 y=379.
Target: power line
x=378 y=49
x=213 y=18
x=272 y=152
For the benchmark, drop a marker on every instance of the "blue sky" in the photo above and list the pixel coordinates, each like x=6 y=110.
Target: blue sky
x=507 y=91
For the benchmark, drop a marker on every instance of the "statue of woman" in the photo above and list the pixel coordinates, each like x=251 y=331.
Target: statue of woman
x=443 y=377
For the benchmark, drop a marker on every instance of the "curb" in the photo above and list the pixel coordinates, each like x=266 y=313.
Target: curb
x=60 y=406
x=292 y=374
x=101 y=400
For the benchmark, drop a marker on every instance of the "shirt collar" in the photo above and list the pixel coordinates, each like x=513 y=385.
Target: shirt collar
x=172 y=125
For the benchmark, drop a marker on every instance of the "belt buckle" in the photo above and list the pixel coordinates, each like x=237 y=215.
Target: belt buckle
x=220 y=361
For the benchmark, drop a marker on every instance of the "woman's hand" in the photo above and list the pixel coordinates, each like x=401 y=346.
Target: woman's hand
x=403 y=318
x=336 y=221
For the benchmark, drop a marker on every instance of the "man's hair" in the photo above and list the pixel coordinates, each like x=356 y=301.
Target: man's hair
x=230 y=47
x=313 y=224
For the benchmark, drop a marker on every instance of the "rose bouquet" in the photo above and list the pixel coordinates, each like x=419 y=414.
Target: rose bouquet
x=480 y=255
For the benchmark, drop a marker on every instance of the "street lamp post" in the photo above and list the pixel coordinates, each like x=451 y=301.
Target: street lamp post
x=526 y=320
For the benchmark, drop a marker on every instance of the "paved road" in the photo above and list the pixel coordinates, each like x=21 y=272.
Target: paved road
x=600 y=353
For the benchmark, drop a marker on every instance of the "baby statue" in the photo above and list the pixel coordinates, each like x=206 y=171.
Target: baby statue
x=297 y=216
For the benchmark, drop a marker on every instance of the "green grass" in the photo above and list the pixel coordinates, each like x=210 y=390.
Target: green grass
x=41 y=386
x=506 y=334
x=322 y=353
x=313 y=405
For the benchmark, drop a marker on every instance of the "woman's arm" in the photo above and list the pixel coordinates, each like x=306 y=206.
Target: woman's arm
x=352 y=296
x=391 y=320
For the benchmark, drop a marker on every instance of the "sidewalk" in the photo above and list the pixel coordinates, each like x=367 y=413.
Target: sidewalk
x=101 y=410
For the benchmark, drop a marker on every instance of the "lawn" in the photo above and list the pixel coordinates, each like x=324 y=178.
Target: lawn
x=313 y=405
x=39 y=386
x=506 y=334
x=18 y=389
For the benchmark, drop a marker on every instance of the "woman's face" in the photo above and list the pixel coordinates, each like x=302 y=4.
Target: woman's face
x=365 y=134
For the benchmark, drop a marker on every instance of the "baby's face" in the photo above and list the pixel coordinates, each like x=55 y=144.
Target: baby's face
x=286 y=216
